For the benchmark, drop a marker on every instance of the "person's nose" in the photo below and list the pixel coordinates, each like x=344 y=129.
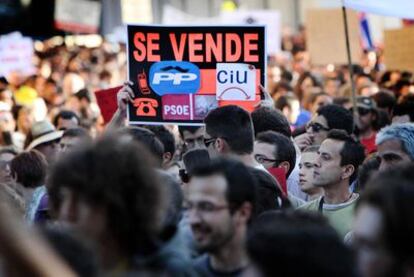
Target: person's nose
x=193 y=216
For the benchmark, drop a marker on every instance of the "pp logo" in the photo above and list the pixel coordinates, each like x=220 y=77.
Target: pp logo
x=171 y=77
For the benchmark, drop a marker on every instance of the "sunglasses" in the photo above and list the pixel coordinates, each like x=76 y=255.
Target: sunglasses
x=361 y=111
x=262 y=159
x=208 y=141
x=316 y=127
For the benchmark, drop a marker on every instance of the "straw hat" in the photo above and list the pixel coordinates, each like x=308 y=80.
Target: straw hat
x=43 y=132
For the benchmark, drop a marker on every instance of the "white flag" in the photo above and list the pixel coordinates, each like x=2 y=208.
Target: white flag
x=397 y=8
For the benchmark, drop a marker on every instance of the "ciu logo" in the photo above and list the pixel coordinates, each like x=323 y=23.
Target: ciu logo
x=171 y=77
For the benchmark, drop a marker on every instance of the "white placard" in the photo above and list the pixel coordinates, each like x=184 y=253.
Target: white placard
x=235 y=82
x=269 y=18
x=16 y=54
x=79 y=16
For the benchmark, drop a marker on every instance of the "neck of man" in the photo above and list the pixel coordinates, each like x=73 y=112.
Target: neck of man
x=315 y=193
x=112 y=257
x=232 y=256
x=338 y=193
x=363 y=134
x=246 y=159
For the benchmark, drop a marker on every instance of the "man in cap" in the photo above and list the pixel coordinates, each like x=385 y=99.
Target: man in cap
x=365 y=123
x=45 y=139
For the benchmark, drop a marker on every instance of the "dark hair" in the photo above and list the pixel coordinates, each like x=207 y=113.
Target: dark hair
x=83 y=94
x=286 y=101
x=281 y=85
x=392 y=192
x=147 y=138
x=191 y=129
x=240 y=183
x=284 y=150
x=67 y=115
x=29 y=168
x=405 y=108
x=165 y=136
x=277 y=241
x=77 y=254
x=385 y=99
x=315 y=96
x=173 y=198
x=234 y=125
x=269 y=119
x=77 y=133
x=341 y=101
x=269 y=195
x=337 y=117
x=195 y=158
x=368 y=167
x=298 y=90
x=352 y=152
x=118 y=176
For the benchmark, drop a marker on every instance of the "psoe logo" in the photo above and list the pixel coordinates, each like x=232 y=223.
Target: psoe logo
x=172 y=77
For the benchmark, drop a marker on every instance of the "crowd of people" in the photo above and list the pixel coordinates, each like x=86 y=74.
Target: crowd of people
x=303 y=186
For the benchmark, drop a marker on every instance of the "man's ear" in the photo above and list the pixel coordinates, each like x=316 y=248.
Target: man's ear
x=285 y=165
x=347 y=171
x=245 y=212
x=166 y=158
x=220 y=145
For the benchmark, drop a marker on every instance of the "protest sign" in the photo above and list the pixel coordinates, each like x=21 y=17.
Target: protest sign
x=326 y=37
x=181 y=73
x=398 y=49
x=78 y=16
x=16 y=53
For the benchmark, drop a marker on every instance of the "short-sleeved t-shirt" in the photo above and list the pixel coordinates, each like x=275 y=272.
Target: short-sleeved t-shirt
x=203 y=267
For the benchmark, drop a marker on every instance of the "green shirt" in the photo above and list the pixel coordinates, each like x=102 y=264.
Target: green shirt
x=340 y=216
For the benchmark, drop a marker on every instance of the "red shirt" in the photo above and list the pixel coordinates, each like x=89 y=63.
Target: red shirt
x=369 y=144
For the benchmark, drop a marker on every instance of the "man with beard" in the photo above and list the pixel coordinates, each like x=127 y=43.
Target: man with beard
x=220 y=207
x=383 y=233
x=367 y=118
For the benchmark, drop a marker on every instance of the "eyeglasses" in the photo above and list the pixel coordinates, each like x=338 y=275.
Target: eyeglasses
x=204 y=207
x=316 y=127
x=361 y=111
x=262 y=159
x=208 y=141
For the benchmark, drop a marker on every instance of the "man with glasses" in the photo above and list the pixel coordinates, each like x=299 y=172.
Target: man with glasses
x=365 y=122
x=220 y=205
x=327 y=118
x=272 y=150
x=229 y=132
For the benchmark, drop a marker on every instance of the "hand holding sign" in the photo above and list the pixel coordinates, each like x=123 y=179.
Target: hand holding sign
x=267 y=100
x=125 y=95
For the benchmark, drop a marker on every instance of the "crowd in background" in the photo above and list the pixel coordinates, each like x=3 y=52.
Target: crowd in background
x=304 y=185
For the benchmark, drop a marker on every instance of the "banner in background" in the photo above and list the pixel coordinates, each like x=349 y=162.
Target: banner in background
x=326 y=37
x=181 y=73
x=397 y=8
x=77 y=16
x=398 y=49
x=16 y=54
x=269 y=18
